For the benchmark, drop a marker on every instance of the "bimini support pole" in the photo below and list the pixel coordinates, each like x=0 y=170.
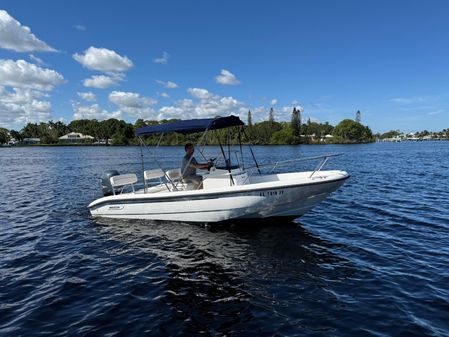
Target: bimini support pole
x=252 y=153
x=143 y=167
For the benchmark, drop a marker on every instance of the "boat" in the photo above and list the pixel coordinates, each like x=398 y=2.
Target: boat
x=231 y=190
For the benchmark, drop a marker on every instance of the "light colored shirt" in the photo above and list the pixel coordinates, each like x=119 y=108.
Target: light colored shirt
x=188 y=170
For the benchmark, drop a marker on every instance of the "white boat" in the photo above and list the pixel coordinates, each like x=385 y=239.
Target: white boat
x=231 y=192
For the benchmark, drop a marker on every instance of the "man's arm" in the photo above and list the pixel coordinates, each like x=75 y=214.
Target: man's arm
x=204 y=166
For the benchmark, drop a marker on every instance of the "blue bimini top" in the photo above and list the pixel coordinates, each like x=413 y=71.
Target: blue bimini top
x=191 y=126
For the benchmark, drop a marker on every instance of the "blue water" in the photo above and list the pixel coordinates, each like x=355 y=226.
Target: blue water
x=372 y=260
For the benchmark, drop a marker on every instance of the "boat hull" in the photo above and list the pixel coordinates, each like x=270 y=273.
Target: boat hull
x=258 y=201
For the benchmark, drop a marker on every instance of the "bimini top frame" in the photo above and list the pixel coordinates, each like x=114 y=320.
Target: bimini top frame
x=190 y=126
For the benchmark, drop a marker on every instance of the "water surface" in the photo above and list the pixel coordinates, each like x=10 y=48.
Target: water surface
x=370 y=260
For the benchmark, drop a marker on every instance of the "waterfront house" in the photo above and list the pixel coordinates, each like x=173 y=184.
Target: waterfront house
x=75 y=137
x=30 y=141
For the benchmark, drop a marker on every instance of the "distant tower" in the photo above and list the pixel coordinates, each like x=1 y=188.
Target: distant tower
x=271 y=116
x=358 y=117
x=250 y=120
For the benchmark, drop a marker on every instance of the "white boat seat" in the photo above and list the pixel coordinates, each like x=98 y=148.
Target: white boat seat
x=153 y=174
x=176 y=177
x=123 y=180
x=174 y=174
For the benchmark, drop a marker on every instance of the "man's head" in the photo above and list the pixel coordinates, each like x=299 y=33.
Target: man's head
x=189 y=148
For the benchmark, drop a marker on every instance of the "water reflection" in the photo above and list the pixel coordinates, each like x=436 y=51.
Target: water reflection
x=220 y=278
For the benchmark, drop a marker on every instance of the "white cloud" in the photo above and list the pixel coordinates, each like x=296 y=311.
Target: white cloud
x=274 y=101
x=104 y=60
x=168 y=84
x=36 y=60
x=21 y=106
x=435 y=112
x=93 y=112
x=406 y=100
x=164 y=94
x=81 y=28
x=207 y=104
x=102 y=81
x=14 y=36
x=227 y=78
x=163 y=59
x=133 y=104
x=87 y=96
x=199 y=93
x=289 y=109
x=21 y=74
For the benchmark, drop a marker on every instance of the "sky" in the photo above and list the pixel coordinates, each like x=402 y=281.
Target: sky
x=67 y=60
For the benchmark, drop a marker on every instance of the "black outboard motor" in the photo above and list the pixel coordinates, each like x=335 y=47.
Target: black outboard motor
x=106 y=183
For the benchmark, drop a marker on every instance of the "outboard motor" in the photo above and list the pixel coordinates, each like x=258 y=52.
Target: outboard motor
x=106 y=186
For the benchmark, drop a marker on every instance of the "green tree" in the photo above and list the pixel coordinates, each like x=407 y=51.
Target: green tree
x=326 y=129
x=296 y=126
x=271 y=116
x=250 y=120
x=349 y=131
x=16 y=135
x=31 y=130
x=390 y=134
x=4 y=136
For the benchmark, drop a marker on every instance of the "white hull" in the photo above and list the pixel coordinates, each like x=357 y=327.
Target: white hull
x=277 y=195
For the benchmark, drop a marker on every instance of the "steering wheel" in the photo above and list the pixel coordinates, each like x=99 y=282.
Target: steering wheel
x=212 y=160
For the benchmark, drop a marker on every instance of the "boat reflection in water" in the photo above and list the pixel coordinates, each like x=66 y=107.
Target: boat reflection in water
x=225 y=279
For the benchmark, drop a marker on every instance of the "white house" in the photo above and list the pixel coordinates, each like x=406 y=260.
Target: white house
x=75 y=137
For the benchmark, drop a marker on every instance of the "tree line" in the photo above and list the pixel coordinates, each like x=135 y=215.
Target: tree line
x=119 y=132
x=443 y=134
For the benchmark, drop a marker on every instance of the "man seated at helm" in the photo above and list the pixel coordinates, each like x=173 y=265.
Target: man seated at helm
x=189 y=166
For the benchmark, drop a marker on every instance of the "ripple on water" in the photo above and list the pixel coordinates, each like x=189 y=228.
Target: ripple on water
x=370 y=260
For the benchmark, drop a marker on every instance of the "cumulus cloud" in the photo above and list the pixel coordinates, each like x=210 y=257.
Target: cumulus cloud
x=104 y=60
x=133 y=104
x=24 y=89
x=163 y=59
x=87 y=96
x=199 y=93
x=274 y=101
x=14 y=36
x=227 y=78
x=168 y=84
x=21 y=74
x=204 y=104
x=92 y=112
x=102 y=81
x=23 y=106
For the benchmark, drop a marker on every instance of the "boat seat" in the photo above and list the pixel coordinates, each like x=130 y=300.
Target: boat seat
x=153 y=174
x=174 y=174
x=123 y=180
x=176 y=177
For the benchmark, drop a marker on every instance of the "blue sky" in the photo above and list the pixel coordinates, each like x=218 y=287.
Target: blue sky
x=65 y=60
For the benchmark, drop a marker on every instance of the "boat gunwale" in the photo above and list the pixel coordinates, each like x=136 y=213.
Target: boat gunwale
x=204 y=194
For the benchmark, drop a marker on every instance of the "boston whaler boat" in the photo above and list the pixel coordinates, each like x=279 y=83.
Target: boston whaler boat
x=230 y=192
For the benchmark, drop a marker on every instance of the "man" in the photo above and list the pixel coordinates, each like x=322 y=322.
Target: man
x=189 y=166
